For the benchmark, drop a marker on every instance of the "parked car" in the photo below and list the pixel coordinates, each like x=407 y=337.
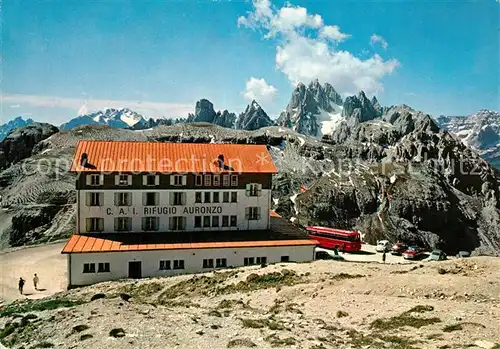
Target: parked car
x=326 y=255
x=463 y=254
x=413 y=252
x=398 y=248
x=437 y=255
x=383 y=246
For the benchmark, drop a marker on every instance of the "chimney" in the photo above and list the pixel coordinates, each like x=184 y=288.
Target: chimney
x=221 y=160
x=83 y=160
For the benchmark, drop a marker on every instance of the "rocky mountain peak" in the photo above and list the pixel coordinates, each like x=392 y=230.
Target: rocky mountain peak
x=311 y=106
x=13 y=124
x=358 y=109
x=204 y=112
x=253 y=118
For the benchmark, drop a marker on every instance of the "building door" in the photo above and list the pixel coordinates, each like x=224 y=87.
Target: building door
x=134 y=270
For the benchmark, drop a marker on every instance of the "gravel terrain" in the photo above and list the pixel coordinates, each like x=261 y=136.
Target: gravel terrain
x=322 y=304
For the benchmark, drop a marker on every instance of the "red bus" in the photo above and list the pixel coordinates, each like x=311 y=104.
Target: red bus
x=344 y=240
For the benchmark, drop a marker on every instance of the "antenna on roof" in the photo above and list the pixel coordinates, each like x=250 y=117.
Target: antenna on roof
x=84 y=159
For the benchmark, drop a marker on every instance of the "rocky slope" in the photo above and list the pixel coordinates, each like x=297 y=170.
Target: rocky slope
x=120 y=118
x=204 y=112
x=322 y=304
x=399 y=178
x=253 y=118
x=8 y=127
x=313 y=110
x=481 y=131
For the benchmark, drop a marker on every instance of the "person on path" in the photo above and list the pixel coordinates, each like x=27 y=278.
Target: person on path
x=36 y=281
x=383 y=257
x=21 y=285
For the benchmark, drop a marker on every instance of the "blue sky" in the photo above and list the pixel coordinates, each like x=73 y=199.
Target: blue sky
x=60 y=58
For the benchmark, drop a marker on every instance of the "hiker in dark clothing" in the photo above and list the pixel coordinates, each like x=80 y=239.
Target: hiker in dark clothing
x=21 y=285
x=383 y=257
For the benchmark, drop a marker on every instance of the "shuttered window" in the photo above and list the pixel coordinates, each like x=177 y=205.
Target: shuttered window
x=252 y=213
x=95 y=199
x=123 y=179
x=123 y=199
x=253 y=189
x=123 y=224
x=94 y=179
x=178 y=180
x=177 y=223
x=216 y=180
x=150 y=223
x=150 y=180
x=225 y=180
x=94 y=224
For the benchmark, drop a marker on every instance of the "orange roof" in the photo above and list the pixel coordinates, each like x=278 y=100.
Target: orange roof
x=274 y=214
x=106 y=156
x=86 y=244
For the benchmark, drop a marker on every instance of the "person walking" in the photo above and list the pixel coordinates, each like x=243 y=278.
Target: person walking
x=36 y=280
x=383 y=257
x=21 y=285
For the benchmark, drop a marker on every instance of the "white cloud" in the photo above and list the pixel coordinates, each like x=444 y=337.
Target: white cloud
x=259 y=90
x=374 y=39
x=333 y=32
x=306 y=57
x=148 y=109
x=16 y=106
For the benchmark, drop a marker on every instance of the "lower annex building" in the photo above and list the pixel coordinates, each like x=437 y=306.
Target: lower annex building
x=156 y=209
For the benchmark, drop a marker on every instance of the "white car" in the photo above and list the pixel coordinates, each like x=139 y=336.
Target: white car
x=383 y=245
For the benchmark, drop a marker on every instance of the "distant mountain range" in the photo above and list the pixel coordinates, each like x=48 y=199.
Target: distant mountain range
x=480 y=131
x=314 y=110
x=18 y=122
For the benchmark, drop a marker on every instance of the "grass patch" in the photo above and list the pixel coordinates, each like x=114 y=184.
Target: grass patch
x=27 y=306
x=420 y=309
x=86 y=336
x=405 y=319
x=257 y=282
x=117 y=333
x=452 y=328
x=231 y=303
x=178 y=303
x=241 y=342
x=43 y=345
x=197 y=285
x=341 y=313
x=276 y=341
x=141 y=290
x=345 y=276
x=261 y=323
x=376 y=340
x=435 y=336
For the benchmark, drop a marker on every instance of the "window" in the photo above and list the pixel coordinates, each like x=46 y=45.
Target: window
x=179 y=264
x=150 y=199
x=95 y=199
x=89 y=268
x=178 y=180
x=252 y=213
x=95 y=224
x=122 y=180
x=208 y=263
x=225 y=196
x=177 y=223
x=103 y=268
x=233 y=221
x=123 y=199
x=150 y=223
x=248 y=261
x=285 y=258
x=208 y=180
x=254 y=189
x=207 y=196
x=261 y=260
x=225 y=221
x=150 y=180
x=216 y=180
x=221 y=263
x=199 y=180
x=225 y=180
x=94 y=179
x=216 y=196
x=197 y=221
x=165 y=265
x=234 y=180
x=179 y=198
x=215 y=221
x=123 y=224
x=234 y=196
x=206 y=221
x=197 y=197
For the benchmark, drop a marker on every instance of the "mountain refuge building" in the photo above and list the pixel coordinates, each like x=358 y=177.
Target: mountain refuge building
x=149 y=209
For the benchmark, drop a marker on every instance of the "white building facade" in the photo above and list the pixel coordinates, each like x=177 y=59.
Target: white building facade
x=138 y=221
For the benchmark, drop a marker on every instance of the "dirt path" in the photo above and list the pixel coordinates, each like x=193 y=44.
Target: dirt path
x=47 y=261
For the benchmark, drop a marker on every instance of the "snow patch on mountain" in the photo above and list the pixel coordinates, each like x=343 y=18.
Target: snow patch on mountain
x=119 y=118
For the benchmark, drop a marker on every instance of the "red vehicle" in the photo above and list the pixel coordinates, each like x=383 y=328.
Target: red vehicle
x=413 y=252
x=344 y=240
